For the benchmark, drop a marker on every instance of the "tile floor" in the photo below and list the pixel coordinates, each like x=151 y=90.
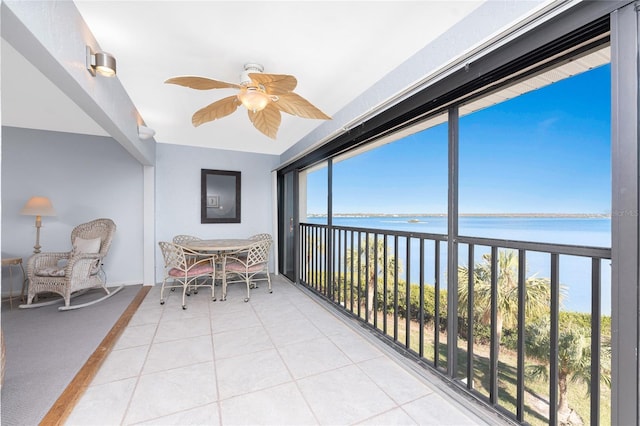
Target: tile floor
x=280 y=359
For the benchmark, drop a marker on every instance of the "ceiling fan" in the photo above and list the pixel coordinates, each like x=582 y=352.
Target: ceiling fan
x=264 y=96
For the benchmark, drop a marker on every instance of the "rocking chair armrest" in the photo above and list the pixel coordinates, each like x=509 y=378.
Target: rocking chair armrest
x=43 y=260
x=82 y=264
x=80 y=256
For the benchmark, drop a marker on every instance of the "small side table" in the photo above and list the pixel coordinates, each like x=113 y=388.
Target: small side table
x=10 y=262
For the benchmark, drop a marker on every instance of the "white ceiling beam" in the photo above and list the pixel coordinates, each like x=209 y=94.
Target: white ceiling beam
x=53 y=36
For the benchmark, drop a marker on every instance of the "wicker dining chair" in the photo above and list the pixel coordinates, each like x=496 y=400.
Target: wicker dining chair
x=69 y=273
x=259 y=237
x=246 y=266
x=184 y=239
x=263 y=237
x=181 y=239
x=183 y=267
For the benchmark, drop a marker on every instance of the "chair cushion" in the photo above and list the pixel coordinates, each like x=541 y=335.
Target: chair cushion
x=198 y=270
x=239 y=267
x=81 y=245
x=50 y=271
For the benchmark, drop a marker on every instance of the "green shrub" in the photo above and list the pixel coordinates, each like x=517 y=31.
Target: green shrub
x=481 y=332
x=428 y=307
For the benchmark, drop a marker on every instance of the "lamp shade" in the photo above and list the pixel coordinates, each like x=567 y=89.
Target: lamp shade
x=38 y=206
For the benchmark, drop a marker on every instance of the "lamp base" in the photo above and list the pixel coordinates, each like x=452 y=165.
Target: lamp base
x=37 y=247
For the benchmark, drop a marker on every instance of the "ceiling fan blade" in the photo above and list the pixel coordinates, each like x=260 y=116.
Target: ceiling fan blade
x=275 y=84
x=216 y=110
x=294 y=104
x=201 y=83
x=266 y=120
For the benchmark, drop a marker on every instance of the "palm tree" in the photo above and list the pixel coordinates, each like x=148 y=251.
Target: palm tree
x=363 y=259
x=314 y=246
x=537 y=292
x=574 y=359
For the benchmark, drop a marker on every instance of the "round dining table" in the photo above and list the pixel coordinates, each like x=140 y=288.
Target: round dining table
x=220 y=248
x=219 y=245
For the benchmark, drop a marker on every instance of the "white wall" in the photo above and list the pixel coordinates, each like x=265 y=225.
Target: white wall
x=178 y=194
x=86 y=177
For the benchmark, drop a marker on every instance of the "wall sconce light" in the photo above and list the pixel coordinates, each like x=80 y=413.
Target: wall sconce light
x=38 y=207
x=101 y=62
x=145 y=132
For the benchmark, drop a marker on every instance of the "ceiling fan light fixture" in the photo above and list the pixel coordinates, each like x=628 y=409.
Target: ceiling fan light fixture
x=265 y=95
x=248 y=69
x=253 y=98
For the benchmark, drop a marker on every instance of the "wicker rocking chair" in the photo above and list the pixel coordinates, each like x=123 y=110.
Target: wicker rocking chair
x=73 y=273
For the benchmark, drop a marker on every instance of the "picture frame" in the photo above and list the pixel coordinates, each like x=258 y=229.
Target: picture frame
x=220 y=192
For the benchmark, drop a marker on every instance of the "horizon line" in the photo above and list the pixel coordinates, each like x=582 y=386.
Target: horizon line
x=598 y=215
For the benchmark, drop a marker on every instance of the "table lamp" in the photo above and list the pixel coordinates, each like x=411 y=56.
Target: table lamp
x=38 y=207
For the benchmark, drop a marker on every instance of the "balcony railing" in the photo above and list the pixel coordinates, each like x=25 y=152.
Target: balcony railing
x=397 y=283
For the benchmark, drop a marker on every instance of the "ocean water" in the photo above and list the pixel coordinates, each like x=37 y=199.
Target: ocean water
x=575 y=272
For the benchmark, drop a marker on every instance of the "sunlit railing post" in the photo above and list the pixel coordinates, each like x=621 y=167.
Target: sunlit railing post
x=522 y=282
x=421 y=315
x=470 y=319
x=395 y=288
x=553 y=346
x=436 y=334
x=595 y=340
x=375 y=280
x=407 y=301
x=495 y=344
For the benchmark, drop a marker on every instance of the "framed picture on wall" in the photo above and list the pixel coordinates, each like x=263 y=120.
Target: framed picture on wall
x=220 y=196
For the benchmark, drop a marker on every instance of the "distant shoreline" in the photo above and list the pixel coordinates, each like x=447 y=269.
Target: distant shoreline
x=535 y=215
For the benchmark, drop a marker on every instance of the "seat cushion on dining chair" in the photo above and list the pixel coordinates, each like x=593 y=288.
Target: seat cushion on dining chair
x=239 y=267
x=198 y=270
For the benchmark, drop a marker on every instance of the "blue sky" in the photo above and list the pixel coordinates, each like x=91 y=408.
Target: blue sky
x=547 y=151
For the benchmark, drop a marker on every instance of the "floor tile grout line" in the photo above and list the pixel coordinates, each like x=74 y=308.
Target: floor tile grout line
x=265 y=331
x=346 y=323
x=214 y=360
x=350 y=363
x=163 y=310
x=397 y=405
x=293 y=378
x=63 y=406
x=475 y=410
x=359 y=422
x=146 y=357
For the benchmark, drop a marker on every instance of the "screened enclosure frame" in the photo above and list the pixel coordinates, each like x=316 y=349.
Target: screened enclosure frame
x=586 y=26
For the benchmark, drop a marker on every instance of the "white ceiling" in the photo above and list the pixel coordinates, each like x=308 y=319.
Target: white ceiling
x=336 y=50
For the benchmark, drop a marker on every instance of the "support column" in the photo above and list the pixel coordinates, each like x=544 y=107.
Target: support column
x=625 y=216
x=452 y=246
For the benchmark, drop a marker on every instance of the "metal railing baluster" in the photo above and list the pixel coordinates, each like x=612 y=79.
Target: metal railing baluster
x=553 y=349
